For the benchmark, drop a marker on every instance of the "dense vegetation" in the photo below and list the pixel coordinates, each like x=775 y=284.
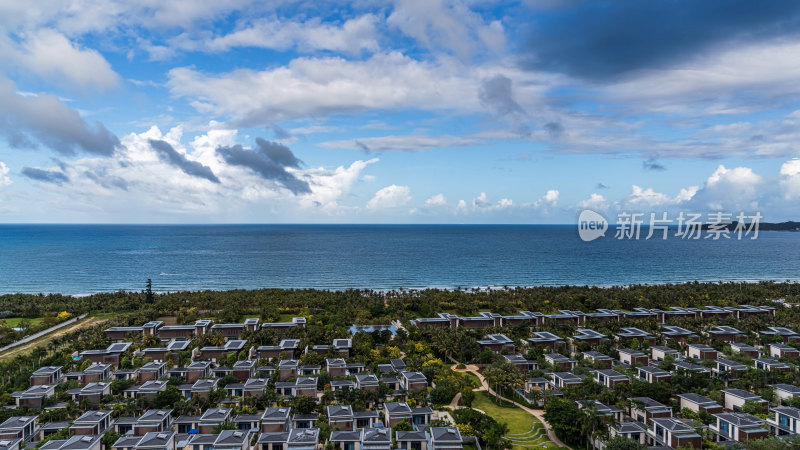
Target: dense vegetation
x=329 y=315
x=366 y=306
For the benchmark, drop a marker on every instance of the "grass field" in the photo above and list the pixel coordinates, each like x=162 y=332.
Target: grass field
x=473 y=379
x=518 y=421
x=13 y=322
x=27 y=347
x=524 y=430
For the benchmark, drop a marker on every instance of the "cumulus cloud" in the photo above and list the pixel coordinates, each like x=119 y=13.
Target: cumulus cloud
x=595 y=201
x=329 y=186
x=644 y=198
x=735 y=188
x=436 y=200
x=482 y=203
x=505 y=203
x=111 y=189
x=168 y=154
x=269 y=161
x=790 y=179
x=45 y=176
x=52 y=56
x=390 y=197
x=46 y=119
x=5 y=180
x=549 y=199
x=318 y=87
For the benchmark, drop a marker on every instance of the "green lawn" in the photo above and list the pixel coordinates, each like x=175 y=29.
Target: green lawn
x=518 y=421
x=524 y=430
x=13 y=322
x=473 y=378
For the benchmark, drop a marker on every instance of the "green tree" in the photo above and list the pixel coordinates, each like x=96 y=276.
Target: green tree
x=566 y=419
x=623 y=443
x=503 y=375
x=752 y=407
x=167 y=398
x=109 y=438
x=467 y=397
x=403 y=426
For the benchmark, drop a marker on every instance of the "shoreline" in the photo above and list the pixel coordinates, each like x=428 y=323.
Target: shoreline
x=384 y=291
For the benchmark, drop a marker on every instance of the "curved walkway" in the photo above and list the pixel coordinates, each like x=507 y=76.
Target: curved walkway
x=539 y=414
x=38 y=334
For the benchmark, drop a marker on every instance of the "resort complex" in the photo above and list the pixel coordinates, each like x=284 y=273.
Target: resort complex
x=677 y=377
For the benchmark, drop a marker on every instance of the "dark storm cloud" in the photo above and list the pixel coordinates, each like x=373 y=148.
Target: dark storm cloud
x=105 y=180
x=362 y=146
x=269 y=161
x=28 y=119
x=554 y=129
x=278 y=153
x=598 y=39
x=496 y=94
x=653 y=164
x=168 y=154
x=46 y=176
x=281 y=133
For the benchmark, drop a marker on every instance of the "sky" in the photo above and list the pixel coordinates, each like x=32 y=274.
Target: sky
x=402 y=111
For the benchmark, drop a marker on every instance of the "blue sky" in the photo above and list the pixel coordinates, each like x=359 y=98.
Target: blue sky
x=409 y=111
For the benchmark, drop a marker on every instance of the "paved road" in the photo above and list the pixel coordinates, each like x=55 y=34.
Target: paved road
x=39 y=334
x=539 y=414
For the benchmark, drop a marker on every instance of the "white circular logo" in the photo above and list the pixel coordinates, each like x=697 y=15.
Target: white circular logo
x=591 y=225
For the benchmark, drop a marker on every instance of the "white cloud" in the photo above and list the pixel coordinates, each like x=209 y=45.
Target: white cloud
x=686 y=194
x=352 y=36
x=74 y=17
x=410 y=143
x=390 y=197
x=716 y=78
x=25 y=119
x=480 y=201
x=790 y=179
x=550 y=198
x=5 y=180
x=595 y=201
x=735 y=188
x=318 y=87
x=447 y=26
x=311 y=129
x=329 y=186
x=53 y=57
x=99 y=187
x=643 y=198
x=436 y=200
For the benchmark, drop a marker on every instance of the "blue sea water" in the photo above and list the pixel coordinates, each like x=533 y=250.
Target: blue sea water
x=83 y=259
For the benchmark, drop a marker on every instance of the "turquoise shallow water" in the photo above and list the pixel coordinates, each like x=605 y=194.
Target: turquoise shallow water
x=82 y=259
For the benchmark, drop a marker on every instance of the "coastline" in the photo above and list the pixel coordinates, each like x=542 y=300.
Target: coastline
x=427 y=288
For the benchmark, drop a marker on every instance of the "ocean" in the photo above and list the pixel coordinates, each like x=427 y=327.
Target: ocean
x=84 y=259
